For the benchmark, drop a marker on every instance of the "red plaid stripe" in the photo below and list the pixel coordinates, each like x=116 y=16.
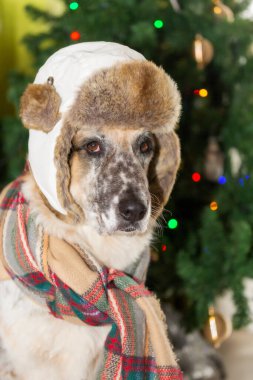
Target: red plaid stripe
x=13 y=197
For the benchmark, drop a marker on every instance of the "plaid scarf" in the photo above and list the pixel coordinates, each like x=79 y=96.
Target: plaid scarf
x=136 y=346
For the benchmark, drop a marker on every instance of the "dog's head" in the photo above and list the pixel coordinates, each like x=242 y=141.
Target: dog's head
x=116 y=155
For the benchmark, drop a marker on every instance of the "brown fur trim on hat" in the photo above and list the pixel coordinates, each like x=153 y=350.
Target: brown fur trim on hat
x=39 y=107
x=163 y=169
x=134 y=94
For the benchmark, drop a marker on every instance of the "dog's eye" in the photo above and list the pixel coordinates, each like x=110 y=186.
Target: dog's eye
x=146 y=146
x=93 y=147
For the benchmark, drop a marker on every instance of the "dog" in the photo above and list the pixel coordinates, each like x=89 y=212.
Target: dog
x=103 y=158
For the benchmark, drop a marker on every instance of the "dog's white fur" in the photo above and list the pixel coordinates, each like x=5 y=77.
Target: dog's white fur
x=43 y=347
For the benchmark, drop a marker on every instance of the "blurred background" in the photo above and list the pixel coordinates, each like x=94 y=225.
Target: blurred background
x=202 y=257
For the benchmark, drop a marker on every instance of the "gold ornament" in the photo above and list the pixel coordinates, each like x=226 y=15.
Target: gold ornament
x=235 y=161
x=202 y=51
x=213 y=161
x=163 y=4
x=217 y=329
x=154 y=255
x=223 y=11
x=175 y=5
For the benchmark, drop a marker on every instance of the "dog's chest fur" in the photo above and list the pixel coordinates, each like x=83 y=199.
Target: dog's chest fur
x=43 y=347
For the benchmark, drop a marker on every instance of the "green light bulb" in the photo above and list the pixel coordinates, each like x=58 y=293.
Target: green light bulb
x=158 y=24
x=172 y=224
x=73 y=6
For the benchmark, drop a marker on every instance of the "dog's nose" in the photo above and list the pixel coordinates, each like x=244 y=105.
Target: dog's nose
x=132 y=209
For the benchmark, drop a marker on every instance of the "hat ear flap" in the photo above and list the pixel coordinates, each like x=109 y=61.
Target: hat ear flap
x=39 y=106
x=62 y=154
x=163 y=170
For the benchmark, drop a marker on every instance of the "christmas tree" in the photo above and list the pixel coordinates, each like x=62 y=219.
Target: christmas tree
x=204 y=243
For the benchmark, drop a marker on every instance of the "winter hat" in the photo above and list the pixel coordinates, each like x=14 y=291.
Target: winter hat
x=112 y=84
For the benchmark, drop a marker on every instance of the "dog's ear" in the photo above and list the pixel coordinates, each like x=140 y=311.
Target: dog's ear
x=39 y=106
x=163 y=169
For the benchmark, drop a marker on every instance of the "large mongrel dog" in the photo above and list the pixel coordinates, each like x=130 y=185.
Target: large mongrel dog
x=103 y=158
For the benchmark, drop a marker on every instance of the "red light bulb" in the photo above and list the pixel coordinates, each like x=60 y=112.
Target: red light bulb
x=196 y=177
x=75 y=36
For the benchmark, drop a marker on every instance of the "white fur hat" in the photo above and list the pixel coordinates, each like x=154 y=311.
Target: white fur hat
x=97 y=84
x=70 y=67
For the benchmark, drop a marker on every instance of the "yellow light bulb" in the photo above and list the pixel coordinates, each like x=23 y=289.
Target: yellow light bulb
x=214 y=206
x=203 y=93
x=217 y=10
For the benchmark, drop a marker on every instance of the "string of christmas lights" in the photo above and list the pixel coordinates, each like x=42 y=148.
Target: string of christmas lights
x=196 y=177
x=75 y=34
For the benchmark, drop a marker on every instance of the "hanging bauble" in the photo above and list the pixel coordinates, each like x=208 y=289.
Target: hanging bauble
x=154 y=255
x=235 y=161
x=225 y=304
x=163 y=4
x=217 y=329
x=202 y=51
x=223 y=11
x=213 y=161
x=175 y=5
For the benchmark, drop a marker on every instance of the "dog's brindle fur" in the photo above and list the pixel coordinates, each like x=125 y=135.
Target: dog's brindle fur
x=40 y=346
x=116 y=174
